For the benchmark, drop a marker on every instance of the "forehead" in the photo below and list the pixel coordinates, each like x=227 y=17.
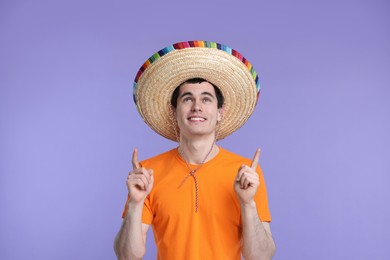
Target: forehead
x=197 y=88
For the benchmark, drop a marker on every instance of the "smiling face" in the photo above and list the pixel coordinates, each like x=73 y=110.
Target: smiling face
x=197 y=110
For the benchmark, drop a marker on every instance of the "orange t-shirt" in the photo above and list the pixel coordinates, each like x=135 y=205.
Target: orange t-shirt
x=214 y=232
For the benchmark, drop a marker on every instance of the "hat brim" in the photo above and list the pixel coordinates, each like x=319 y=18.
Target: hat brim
x=235 y=78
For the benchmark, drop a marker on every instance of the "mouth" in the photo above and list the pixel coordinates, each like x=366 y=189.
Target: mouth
x=196 y=119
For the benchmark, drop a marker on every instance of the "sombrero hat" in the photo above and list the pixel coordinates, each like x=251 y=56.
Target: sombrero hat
x=217 y=63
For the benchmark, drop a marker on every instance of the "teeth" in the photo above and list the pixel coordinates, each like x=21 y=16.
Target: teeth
x=196 y=119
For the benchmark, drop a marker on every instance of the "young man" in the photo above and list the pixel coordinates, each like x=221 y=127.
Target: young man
x=203 y=202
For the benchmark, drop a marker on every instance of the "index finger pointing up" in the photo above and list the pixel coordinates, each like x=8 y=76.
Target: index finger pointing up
x=134 y=160
x=255 y=160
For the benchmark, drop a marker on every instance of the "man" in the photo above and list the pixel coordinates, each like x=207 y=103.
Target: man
x=203 y=202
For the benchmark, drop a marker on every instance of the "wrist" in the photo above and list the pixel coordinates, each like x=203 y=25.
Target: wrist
x=135 y=205
x=248 y=204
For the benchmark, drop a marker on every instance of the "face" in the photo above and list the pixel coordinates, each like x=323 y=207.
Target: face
x=197 y=110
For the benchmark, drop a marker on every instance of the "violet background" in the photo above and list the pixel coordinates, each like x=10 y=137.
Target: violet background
x=68 y=124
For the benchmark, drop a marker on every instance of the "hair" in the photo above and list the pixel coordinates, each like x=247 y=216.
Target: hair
x=218 y=93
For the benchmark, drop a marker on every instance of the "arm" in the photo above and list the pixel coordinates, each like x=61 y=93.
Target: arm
x=256 y=238
x=131 y=238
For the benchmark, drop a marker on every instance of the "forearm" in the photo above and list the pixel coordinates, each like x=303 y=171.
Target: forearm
x=256 y=241
x=129 y=242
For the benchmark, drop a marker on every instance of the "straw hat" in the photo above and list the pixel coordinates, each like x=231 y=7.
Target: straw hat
x=219 y=64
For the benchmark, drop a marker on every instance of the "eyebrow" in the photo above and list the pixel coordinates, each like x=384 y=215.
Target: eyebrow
x=203 y=93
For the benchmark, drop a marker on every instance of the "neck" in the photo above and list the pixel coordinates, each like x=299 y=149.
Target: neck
x=195 y=151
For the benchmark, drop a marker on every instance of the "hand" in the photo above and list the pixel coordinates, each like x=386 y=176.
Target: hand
x=247 y=181
x=139 y=181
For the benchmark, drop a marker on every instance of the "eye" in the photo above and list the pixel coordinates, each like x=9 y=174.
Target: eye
x=186 y=99
x=206 y=100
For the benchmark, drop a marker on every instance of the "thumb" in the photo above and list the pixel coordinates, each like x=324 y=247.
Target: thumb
x=151 y=173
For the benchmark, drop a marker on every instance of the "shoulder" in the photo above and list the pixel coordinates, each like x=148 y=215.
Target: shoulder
x=232 y=157
x=160 y=158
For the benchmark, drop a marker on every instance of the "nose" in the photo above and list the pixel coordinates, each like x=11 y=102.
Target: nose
x=196 y=106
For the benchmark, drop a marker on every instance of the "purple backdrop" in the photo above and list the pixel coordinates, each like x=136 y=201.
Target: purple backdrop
x=68 y=123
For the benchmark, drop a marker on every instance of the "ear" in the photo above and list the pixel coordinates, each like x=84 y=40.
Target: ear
x=172 y=112
x=220 y=114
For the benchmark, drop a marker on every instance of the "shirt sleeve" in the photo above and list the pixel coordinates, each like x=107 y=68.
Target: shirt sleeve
x=261 y=199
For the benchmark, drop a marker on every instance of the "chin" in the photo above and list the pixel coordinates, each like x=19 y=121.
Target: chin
x=200 y=133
